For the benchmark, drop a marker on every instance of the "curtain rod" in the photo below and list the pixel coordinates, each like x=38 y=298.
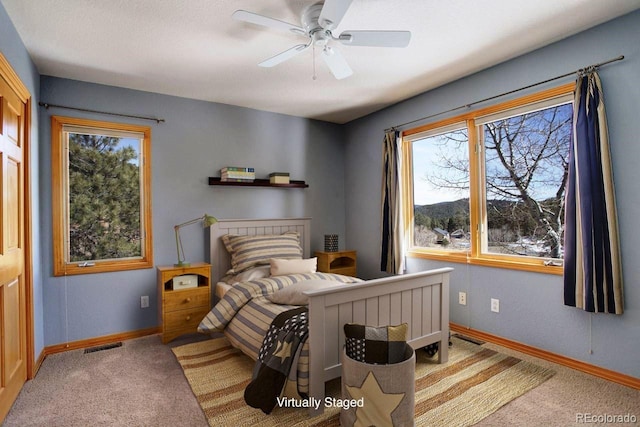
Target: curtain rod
x=581 y=70
x=47 y=106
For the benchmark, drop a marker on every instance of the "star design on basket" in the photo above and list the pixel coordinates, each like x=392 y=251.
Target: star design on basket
x=378 y=405
x=283 y=350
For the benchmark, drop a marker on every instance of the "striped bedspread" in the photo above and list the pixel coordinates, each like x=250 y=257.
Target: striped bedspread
x=244 y=315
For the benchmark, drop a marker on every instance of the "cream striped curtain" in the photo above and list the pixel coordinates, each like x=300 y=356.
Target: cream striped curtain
x=392 y=257
x=593 y=268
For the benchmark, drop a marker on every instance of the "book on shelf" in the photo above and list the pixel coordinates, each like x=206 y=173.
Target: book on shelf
x=236 y=180
x=236 y=169
x=245 y=175
x=237 y=173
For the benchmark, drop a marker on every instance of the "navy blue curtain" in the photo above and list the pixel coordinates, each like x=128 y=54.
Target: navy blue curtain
x=592 y=267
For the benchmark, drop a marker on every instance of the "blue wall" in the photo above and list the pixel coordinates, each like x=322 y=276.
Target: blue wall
x=197 y=139
x=531 y=308
x=15 y=52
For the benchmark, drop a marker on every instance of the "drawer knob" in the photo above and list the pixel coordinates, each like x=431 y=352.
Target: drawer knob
x=187 y=300
x=188 y=318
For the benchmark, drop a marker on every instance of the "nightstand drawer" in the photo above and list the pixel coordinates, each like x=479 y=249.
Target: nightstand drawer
x=186 y=298
x=182 y=319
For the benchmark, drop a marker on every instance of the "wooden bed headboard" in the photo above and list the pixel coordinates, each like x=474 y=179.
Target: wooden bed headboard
x=219 y=257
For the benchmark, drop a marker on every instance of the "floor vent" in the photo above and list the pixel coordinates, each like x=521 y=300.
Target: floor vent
x=102 y=347
x=466 y=338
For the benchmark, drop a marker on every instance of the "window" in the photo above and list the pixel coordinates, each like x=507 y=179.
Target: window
x=441 y=189
x=488 y=187
x=101 y=176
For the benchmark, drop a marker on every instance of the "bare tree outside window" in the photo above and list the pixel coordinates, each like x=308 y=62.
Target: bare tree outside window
x=526 y=166
x=523 y=163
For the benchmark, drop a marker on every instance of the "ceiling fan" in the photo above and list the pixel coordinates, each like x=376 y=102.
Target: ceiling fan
x=318 y=20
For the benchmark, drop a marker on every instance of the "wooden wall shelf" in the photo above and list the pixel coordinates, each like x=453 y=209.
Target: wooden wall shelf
x=214 y=180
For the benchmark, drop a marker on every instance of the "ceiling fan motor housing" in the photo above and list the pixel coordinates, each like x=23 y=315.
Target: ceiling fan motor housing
x=310 y=17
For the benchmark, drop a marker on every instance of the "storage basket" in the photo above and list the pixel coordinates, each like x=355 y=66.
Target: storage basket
x=387 y=391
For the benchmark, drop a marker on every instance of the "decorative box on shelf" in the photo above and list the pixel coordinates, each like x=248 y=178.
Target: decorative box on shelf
x=279 y=178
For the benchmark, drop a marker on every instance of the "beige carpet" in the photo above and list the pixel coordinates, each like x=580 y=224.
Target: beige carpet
x=473 y=384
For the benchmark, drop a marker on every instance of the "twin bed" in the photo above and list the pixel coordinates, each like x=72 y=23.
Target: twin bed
x=244 y=313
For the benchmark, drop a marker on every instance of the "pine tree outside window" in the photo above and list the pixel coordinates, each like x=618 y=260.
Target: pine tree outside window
x=101 y=196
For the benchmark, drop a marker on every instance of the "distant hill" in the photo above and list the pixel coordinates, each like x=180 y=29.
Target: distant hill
x=449 y=209
x=444 y=209
x=454 y=215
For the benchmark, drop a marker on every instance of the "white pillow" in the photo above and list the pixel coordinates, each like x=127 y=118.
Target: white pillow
x=281 y=267
x=293 y=294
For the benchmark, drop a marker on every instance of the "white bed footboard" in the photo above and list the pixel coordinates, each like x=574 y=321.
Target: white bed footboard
x=419 y=299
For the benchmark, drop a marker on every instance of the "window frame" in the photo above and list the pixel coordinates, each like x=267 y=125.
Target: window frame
x=477 y=197
x=62 y=266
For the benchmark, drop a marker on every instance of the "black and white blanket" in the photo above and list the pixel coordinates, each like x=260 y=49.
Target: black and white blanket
x=281 y=344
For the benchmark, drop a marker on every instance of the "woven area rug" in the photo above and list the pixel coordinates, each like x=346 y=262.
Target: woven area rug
x=474 y=383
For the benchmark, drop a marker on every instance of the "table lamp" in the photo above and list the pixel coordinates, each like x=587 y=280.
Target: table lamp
x=207 y=221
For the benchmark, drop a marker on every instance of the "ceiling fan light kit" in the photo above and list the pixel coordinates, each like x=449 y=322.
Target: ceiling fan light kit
x=318 y=20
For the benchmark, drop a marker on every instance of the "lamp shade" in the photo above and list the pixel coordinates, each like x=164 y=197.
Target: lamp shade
x=207 y=221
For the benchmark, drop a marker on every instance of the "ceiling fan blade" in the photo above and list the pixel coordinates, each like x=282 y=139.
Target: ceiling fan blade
x=265 y=21
x=332 y=13
x=376 y=38
x=283 y=56
x=336 y=63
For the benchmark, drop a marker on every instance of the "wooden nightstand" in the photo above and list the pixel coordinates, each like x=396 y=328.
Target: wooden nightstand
x=180 y=311
x=342 y=262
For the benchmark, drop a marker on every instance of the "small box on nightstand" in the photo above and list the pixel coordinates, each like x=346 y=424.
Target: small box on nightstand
x=185 y=281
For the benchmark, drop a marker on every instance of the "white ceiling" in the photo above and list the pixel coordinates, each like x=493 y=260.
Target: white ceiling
x=194 y=49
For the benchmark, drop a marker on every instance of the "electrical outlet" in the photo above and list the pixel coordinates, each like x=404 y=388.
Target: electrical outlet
x=144 y=301
x=495 y=305
x=462 y=298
